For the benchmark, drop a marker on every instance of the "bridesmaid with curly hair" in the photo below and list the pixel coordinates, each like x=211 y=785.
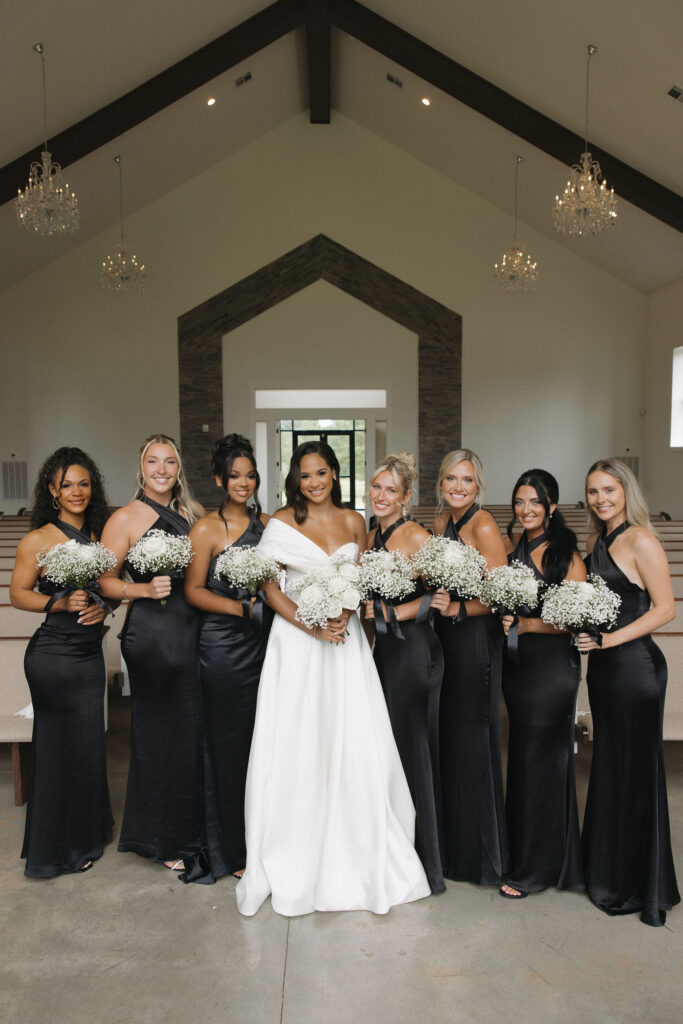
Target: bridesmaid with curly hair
x=68 y=817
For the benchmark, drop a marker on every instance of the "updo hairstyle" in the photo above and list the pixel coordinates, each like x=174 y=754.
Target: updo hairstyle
x=225 y=451
x=403 y=468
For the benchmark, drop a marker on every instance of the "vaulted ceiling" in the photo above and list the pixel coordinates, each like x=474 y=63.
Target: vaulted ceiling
x=503 y=79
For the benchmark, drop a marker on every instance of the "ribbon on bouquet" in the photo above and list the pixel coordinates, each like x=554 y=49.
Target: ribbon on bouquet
x=593 y=632
x=92 y=590
x=513 y=634
x=389 y=623
x=252 y=614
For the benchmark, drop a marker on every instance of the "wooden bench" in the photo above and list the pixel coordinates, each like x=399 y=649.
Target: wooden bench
x=15 y=695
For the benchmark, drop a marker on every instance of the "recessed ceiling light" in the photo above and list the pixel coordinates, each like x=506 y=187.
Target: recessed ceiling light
x=210 y=102
x=426 y=100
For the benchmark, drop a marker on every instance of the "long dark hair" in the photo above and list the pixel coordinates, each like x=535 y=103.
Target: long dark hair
x=558 y=555
x=225 y=451
x=295 y=499
x=53 y=471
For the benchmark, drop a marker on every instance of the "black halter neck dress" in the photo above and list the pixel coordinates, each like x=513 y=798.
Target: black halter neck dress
x=540 y=688
x=626 y=841
x=231 y=653
x=411 y=671
x=68 y=816
x=471 y=764
x=162 y=815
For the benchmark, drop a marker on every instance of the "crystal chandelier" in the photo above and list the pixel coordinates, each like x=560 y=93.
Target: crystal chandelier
x=121 y=271
x=586 y=206
x=47 y=205
x=516 y=272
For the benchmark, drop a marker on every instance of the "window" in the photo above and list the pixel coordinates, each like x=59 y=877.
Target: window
x=677 y=399
x=320 y=398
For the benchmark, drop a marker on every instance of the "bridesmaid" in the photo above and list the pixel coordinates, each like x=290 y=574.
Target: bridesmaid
x=471 y=769
x=540 y=683
x=162 y=815
x=231 y=652
x=68 y=817
x=626 y=843
x=410 y=663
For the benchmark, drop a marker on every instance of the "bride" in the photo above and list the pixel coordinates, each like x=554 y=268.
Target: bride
x=329 y=819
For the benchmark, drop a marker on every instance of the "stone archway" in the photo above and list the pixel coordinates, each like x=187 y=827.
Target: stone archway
x=201 y=330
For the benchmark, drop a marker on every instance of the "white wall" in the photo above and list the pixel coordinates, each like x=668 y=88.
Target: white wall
x=552 y=378
x=663 y=466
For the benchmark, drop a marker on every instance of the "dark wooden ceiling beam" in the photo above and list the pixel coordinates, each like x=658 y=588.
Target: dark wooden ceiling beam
x=318 y=41
x=502 y=108
x=159 y=92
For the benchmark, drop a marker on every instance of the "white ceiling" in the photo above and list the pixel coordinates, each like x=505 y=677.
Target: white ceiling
x=532 y=49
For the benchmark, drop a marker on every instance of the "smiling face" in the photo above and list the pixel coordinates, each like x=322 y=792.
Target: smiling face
x=241 y=482
x=386 y=497
x=459 y=487
x=530 y=510
x=73 y=491
x=315 y=479
x=606 y=497
x=160 y=471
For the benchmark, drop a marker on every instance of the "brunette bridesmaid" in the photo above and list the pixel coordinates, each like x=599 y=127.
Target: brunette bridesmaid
x=68 y=817
x=162 y=815
x=472 y=641
x=410 y=662
x=626 y=841
x=541 y=675
x=232 y=646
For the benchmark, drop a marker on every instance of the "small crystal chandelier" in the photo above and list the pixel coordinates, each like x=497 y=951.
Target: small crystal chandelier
x=516 y=272
x=586 y=206
x=47 y=205
x=121 y=271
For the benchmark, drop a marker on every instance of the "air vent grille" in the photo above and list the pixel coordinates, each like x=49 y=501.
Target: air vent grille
x=246 y=77
x=394 y=80
x=676 y=93
x=15 y=481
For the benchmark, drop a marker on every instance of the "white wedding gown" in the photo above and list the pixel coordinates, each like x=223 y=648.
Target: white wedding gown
x=329 y=818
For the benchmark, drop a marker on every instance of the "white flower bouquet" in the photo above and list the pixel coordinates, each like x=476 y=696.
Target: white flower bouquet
x=450 y=564
x=323 y=594
x=509 y=588
x=246 y=568
x=385 y=574
x=581 y=607
x=161 y=553
x=74 y=565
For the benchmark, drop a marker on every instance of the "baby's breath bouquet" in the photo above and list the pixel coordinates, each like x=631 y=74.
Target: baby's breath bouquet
x=450 y=564
x=509 y=588
x=74 y=565
x=581 y=607
x=161 y=553
x=323 y=594
x=385 y=574
x=246 y=569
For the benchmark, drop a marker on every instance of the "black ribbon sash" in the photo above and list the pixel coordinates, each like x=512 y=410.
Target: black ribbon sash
x=92 y=588
x=252 y=615
x=385 y=623
x=522 y=553
x=169 y=515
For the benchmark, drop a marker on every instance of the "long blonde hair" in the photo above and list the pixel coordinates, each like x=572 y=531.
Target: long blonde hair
x=182 y=492
x=447 y=464
x=403 y=469
x=637 y=511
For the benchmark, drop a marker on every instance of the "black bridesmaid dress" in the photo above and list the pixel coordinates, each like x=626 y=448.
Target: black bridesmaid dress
x=68 y=817
x=411 y=672
x=163 y=813
x=231 y=653
x=626 y=842
x=540 y=685
x=471 y=764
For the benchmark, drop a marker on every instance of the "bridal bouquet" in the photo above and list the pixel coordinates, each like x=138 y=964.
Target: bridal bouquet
x=508 y=588
x=74 y=565
x=246 y=568
x=161 y=554
x=450 y=564
x=386 y=574
x=581 y=607
x=323 y=594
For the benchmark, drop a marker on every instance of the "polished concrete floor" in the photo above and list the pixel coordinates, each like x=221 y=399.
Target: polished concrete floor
x=127 y=943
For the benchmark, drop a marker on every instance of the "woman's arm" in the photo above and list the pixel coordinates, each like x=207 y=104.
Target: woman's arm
x=25 y=576
x=121 y=531
x=489 y=543
x=196 y=592
x=284 y=606
x=575 y=572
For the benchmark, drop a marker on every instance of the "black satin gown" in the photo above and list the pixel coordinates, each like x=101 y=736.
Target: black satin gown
x=471 y=765
x=626 y=841
x=411 y=672
x=540 y=686
x=68 y=816
x=163 y=811
x=231 y=653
